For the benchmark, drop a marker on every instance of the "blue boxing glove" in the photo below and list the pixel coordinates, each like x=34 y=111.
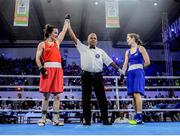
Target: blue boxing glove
x=122 y=79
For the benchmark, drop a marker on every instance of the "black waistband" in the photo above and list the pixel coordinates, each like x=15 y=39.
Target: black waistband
x=92 y=73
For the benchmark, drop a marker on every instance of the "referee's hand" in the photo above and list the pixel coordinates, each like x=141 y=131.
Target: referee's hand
x=120 y=71
x=121 y=74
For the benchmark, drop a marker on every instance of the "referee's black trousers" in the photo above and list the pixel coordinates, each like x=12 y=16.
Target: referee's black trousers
x=94 y=80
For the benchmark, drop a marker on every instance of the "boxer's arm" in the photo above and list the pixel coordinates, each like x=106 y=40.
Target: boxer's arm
x=145 y=56
x=124 y=68
x=38 y=59
x=39 y=54
x=61 y=35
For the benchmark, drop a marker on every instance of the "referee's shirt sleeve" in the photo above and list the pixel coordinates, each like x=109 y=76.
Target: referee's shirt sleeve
x=80 y=46
x=106 y=59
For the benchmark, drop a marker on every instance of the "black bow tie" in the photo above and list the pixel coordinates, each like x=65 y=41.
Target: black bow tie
x=92 y=47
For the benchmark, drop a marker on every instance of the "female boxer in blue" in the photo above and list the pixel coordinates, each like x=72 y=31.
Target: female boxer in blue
x=136 y=59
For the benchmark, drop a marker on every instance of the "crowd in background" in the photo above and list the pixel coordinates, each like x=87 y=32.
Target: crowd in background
x=148 y=116
x=27 y=66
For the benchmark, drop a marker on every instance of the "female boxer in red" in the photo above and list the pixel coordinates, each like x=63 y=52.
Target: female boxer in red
x=48 y=59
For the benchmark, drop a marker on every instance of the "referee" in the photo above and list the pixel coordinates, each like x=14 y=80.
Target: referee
x=92 y=60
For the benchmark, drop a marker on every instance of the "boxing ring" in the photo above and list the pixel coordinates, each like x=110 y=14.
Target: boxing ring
x=94 y=129
x=25 y=127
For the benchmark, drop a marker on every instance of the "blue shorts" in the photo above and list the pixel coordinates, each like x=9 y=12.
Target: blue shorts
x=135 y=81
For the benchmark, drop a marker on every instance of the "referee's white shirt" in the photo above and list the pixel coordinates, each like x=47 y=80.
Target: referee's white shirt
x=92 y=59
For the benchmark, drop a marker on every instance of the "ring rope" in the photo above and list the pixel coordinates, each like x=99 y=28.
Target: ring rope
x=122 y=99
x=80 y=110
x=79 y=87
x=114 y=77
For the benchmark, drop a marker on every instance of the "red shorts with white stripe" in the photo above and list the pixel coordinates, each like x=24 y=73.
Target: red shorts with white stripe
x=54 y=82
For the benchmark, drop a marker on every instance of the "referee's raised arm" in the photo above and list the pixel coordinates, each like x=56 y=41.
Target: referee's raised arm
x=72 y=34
